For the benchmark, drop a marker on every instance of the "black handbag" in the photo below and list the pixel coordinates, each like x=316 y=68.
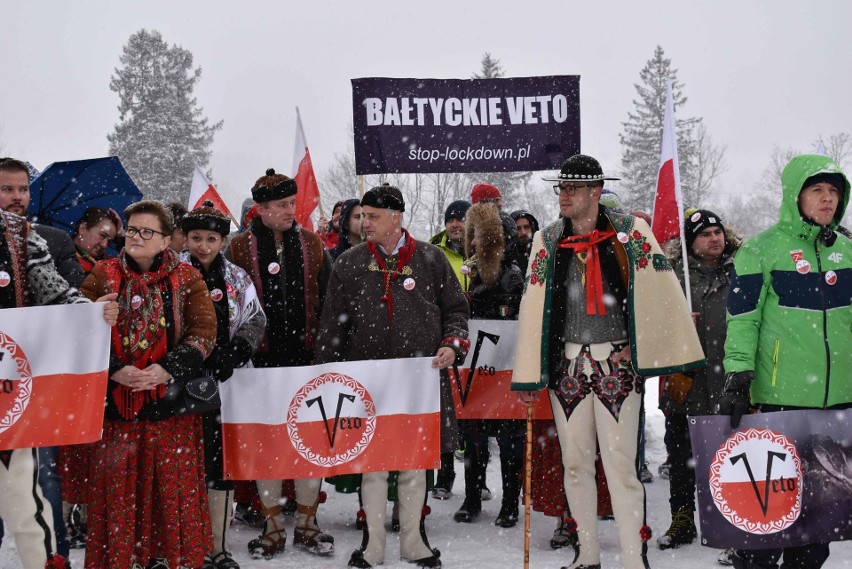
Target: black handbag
x=197 y=395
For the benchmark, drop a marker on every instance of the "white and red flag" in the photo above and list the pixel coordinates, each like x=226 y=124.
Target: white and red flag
x=668 y=204
x=54 y=362
x=203 y=190
x=324 y=420
x=308 y=195
x=482 y=387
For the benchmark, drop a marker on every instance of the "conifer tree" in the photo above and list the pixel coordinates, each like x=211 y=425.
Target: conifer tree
x=700 y=160
x=162 y=132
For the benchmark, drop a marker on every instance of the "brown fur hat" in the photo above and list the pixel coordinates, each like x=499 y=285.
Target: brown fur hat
x=483 y=221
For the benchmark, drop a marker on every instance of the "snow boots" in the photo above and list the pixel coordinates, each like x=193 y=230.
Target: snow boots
x=681 y=532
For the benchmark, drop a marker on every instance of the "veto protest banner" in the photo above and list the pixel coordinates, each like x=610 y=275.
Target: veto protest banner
x=324 y=420
x=54 y=362
x=482 y=387
x=781 y=480
x=465 y=125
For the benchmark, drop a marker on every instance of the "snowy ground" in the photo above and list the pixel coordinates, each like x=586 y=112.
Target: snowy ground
x=482 y=544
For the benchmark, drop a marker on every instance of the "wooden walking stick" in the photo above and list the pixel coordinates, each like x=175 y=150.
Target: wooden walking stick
x=528 y=485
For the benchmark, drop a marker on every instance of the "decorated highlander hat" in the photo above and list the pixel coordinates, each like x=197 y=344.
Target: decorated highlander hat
x=206 y=217
x=580 y=168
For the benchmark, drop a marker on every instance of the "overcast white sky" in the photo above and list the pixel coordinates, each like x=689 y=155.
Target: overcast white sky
x=761 y=73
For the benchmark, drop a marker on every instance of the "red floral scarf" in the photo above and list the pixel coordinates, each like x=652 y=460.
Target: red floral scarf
x=406 y=252
x=139 y=337
x=86 y=261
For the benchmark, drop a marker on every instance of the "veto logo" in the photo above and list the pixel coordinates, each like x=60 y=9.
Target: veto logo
x=756 y=481
x=331 y=419
x=16 y=382
x=475 y=370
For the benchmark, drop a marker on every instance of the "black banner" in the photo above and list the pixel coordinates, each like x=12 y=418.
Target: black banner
x=781 y=480
x=465 y=125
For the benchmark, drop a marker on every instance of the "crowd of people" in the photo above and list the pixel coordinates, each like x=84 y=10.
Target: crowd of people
x=600 y=307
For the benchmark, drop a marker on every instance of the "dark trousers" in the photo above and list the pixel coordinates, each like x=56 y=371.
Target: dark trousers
x=811 y=556
x=48 y=479
x=682 y=467
x=510 y=438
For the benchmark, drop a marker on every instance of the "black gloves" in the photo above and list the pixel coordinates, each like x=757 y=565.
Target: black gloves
x=223 y=360
x=735 y=401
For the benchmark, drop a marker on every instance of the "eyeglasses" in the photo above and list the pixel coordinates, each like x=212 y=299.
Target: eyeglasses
x=571 y=189
x=144 y=233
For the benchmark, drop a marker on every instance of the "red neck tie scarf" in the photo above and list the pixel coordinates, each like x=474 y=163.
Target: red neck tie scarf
x=586 y=250
x=406 y=252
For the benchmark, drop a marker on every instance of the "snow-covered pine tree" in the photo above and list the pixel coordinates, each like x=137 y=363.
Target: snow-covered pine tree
x=700 y=160
x=162 y=132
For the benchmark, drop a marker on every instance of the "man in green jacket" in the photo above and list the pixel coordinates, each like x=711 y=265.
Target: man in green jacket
x=789 y=343
x=451 y=242
x=451 y=239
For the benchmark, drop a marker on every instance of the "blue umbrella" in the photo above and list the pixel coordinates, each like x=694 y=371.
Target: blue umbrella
x=64 y=190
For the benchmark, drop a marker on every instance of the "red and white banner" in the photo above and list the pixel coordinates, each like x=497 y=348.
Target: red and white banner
x=330 y=419
x=668 y=204
x=308 y=195
x=482 y=388
x=203 y=190
x=54 y=362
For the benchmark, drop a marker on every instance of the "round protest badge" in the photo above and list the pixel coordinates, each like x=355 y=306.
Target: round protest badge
x=803 y=267
x=5 y=279
x=756 y=481
x=16 y=382
x=408 y=284
x=135 y=302
x=331 y=419
x=695 y=217
x=623 y=237
x=216 y=294
x=465 y=270
x=831 y=277
x=273 y=268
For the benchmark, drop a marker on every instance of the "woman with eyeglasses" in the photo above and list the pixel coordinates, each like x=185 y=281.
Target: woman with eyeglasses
x=147 y=492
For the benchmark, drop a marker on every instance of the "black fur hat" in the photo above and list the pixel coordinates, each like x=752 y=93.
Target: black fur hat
x=273 y=186
x=385 y=197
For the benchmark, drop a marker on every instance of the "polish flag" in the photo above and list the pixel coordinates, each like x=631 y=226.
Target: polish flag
x=330 y=419
x=668 y=204
x=482 y=387
x=308 y=195
x=54 y=362
x=203 y=190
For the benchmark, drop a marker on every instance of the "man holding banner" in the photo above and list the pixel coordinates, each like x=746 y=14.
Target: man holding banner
x=602 y=309
x=789 y=344
x=289 y=267
x=393 y=297
x=29 y=277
